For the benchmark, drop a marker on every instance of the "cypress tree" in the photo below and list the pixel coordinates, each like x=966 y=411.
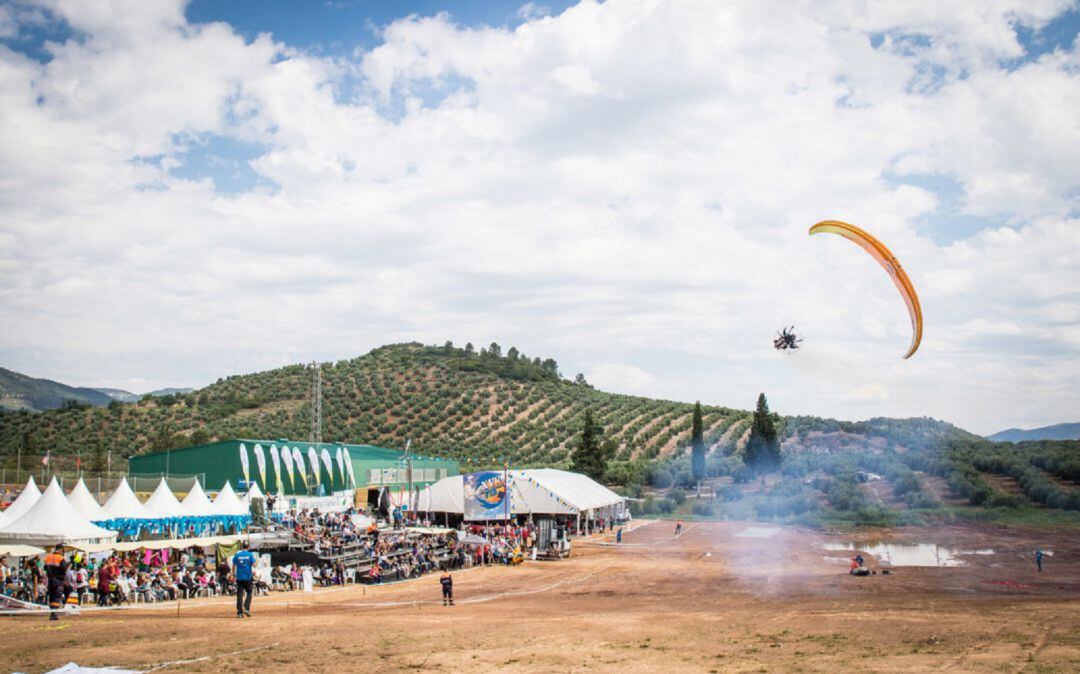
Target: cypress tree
x=697 y=445
x=763 y=447
x=591 y=455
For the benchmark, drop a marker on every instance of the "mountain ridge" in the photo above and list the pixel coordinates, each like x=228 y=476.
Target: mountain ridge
x=1065 y=431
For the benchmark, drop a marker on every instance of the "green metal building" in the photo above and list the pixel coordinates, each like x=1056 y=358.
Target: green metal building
x=224 y=461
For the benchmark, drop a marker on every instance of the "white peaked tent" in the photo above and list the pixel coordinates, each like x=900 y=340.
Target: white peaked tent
x=196 y=504
x=21 y=505
x=124 y=505
x=51 y=520
x=85 y=503
x=543 y=491
x=228 y=503
x=162 y=504
x=253 y=492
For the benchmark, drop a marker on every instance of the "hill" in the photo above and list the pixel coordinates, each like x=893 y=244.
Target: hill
x=456 y=402
x=20 y=392
x=129 y=397
x=1055 y=432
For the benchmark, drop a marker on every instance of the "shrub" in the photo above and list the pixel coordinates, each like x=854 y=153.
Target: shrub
x=661 y=478
x=730 y=492
x=702 y=508
x=667 y=506
x=677 y=495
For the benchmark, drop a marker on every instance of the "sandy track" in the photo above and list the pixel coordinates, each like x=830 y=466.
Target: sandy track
x=708 y=600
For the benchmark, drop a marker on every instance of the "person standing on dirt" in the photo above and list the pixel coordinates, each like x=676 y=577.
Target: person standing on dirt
x=56 y=572
x=243 y=564
x=1038 y=559
x=618 y=536
x=678 y=527
x=447 y=582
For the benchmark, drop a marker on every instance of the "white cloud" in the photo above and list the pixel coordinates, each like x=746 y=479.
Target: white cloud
x=628 y=183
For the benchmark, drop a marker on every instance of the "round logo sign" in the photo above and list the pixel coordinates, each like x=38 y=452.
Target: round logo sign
x=490 y=490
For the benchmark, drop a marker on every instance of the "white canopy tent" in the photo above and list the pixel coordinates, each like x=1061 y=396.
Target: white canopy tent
x=85 y=503
x=163 y=504
x=196 y=504
x=445 y=496
x=52 y=520
x=228 y=503
x=124 y=505
x=22 y=504
x=544 y=491
x=253 y=492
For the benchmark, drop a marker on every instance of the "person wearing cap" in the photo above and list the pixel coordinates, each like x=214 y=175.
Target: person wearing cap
x=243 y=564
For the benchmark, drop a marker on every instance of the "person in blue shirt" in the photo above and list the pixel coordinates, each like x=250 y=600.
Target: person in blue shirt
x=243 y=564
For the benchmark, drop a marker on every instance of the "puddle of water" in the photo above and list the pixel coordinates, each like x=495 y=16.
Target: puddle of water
x=910 y=554
x=757 y=532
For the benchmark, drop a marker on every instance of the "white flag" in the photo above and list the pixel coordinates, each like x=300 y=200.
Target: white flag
x=313 y=461
x=329 y=468
x=298 y=461
x=349 y=468
x=244 y=464
x=340 y=465
x=276 y=460
x=260 y=459
x=286 y=458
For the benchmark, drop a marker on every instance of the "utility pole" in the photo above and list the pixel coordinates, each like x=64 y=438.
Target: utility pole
x=316 y=405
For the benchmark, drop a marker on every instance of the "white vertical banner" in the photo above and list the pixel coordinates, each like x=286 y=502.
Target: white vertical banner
x=298 y=461
x=286 y=459
x=340 y=465
x=276 y=461
x=260 y=460
x=328 y=462
x=244 y=463
x=349 y=467
x=313 y=461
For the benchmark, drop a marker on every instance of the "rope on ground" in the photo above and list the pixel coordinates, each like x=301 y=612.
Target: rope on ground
x=609 y=544
x=483 y=598
x=174 y=663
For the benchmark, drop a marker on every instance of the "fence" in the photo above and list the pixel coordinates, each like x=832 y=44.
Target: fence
x=100 y=486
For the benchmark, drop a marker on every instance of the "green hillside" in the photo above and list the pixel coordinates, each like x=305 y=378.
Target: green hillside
x=20 y=392
x=485 y=407
x=480 y=406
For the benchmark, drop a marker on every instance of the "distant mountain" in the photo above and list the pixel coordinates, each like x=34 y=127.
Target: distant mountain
x=20 y=392
x=129 y=397
x=120 y=394
x=1055 y=432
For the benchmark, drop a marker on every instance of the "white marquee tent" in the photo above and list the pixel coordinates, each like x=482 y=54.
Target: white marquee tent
x=162 y=504
x=196 y=504
x=51 y=520
x=22 y=504
x=228 y=503
x=253 y=492
x=85 y=503
x=124 y=505
x=544 y=491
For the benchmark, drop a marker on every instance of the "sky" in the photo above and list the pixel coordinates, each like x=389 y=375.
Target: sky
x=190 y=190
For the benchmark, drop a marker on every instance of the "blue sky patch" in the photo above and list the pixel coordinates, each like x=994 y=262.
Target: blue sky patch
x=223 y=159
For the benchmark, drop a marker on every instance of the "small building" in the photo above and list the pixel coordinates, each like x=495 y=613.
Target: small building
x=295 y=468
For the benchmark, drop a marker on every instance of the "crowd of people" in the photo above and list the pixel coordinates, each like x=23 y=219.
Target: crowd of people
x=348 y=547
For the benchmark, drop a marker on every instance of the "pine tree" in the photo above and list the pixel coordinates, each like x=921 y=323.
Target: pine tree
x=697 y=444
x=763 y=447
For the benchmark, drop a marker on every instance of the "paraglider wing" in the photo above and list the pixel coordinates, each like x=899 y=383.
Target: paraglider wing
x=887 y=260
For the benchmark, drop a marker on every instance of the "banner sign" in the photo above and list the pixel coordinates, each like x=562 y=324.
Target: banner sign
x=298 y=460
x=286 y=458
x=485 y=496
x=244 y=463
x=341 y=466
x=276 y=461
x=313 y=461
x=349 y=468
x=260 y=459
x=328 y=462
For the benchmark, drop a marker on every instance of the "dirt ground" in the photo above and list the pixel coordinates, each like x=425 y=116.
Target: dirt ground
x=708 y=601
